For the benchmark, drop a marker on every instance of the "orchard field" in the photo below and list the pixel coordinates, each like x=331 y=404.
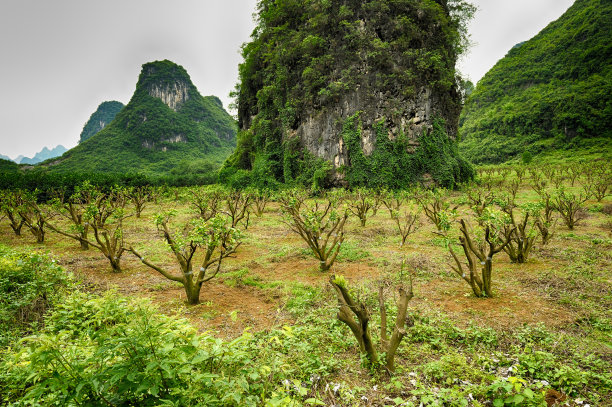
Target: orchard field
x=497 y=293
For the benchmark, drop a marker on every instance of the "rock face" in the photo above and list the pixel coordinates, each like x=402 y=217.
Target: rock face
x=321 y=132
x=172 y=94
x=104 y=114
x=311 y=68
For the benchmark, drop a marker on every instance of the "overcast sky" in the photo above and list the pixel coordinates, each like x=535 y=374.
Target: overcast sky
x=61 y=58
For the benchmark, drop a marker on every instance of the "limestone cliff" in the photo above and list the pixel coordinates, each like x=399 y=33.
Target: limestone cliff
x=312 y=68
x=320 y=132
x=172 y=94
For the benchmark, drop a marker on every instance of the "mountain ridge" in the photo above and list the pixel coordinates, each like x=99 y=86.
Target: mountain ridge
x=43 y=155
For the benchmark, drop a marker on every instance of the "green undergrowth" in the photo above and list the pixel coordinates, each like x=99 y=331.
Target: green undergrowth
x=92 y=349
x=29 y=285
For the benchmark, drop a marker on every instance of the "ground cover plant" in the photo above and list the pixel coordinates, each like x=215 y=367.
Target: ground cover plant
x=265 y=331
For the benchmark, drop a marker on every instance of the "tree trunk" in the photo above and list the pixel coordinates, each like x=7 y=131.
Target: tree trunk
x=398 y=334
x=486 y=277
x=84 y=244
x=115 y=264
x=39 y=234
x=193 y=292
x=83 y=240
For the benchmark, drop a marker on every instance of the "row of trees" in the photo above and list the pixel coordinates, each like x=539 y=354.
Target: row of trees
x=95 y=218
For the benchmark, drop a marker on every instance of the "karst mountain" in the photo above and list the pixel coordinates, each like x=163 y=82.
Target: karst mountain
x=167 y=127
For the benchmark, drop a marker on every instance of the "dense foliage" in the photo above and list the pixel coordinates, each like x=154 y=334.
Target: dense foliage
x=391 y=164
x=551 y=92
x=104 y=114
x=307 y=57
x=29 y=285
x=148 y=136
x=110 y=351
x=10 y=166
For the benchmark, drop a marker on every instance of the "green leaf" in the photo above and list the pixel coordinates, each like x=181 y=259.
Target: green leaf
x=314 y=401
x=199 y=357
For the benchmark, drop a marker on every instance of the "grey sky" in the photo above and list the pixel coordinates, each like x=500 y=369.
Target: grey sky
x=62 y=58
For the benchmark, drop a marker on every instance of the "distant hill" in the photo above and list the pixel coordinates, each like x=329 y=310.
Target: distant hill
x=548 y=94
x=43 y=155
x=166 y=127
x=5 y=157
x=104 y=114
x=8 y=165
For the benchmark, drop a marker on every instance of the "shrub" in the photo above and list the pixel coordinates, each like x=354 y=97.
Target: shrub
x=215 y=238
x=9 y=205
x=356 y=315
x=570 y=206
x=515 y=391
x=521 y=232
x=29 y=284
x=479 y=254
x=207 y=201
x=111 y=351
x=33 y=216
x=361 y=202
x=72 y=208
x=436 y=207
x=320 y=224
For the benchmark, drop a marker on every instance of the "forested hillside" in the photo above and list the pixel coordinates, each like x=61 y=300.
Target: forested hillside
x=104 y=114
x=552 y=92
x=8 y=165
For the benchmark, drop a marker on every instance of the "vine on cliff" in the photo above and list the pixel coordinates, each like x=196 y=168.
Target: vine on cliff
x=393 y=165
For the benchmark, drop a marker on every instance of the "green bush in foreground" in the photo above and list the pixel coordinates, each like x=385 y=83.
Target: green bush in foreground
x=110 y=351
x=29 y=284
